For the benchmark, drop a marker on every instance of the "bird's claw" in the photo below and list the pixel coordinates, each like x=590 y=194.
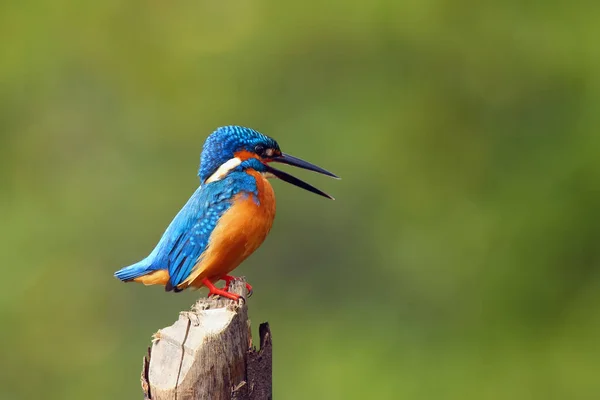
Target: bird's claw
x=229 y=296
x=229 y=278
x=214 y=291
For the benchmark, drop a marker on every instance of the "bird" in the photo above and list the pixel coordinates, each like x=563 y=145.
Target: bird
x=226 y=219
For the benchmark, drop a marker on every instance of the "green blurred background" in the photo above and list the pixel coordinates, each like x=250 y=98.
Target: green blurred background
x=460 y=260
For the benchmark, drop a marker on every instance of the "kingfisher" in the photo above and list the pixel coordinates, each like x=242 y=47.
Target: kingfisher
x=226 y=219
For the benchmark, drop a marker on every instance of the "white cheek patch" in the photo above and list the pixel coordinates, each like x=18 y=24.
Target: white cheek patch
x=224 y=169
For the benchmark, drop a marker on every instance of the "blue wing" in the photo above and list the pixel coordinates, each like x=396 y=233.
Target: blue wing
x=190 y=231
x=187 y=237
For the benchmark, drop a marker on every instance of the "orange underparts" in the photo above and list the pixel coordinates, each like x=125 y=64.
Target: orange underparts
x=239 y=232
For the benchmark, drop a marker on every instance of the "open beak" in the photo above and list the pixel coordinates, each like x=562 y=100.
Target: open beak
x=296 y=162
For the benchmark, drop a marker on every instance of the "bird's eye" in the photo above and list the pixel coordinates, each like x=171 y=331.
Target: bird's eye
x=259 y=149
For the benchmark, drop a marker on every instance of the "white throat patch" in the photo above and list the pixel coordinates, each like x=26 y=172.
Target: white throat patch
x=224 y=169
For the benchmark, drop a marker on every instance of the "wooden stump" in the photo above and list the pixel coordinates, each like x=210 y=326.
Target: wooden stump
x=208 y=354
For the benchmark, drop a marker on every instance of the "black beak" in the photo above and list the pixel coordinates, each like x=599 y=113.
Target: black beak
x=296 y=162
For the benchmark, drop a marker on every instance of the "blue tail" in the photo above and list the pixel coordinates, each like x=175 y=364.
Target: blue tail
x=133 y=271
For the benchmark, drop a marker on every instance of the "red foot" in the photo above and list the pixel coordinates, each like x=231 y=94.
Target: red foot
x=229 y=278
x=213 y=290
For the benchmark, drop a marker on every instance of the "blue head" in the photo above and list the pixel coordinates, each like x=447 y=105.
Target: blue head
x=228 y=142
x=232 y=148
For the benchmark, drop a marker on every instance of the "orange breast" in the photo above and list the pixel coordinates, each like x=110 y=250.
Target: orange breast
x=240 y=231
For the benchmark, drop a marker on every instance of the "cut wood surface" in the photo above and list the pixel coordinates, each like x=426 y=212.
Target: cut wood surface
x=207 y=354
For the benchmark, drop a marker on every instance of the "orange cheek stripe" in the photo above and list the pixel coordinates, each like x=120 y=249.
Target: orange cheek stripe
x=245 y=155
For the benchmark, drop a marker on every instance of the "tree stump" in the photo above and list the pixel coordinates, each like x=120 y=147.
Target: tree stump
x=208 y=354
